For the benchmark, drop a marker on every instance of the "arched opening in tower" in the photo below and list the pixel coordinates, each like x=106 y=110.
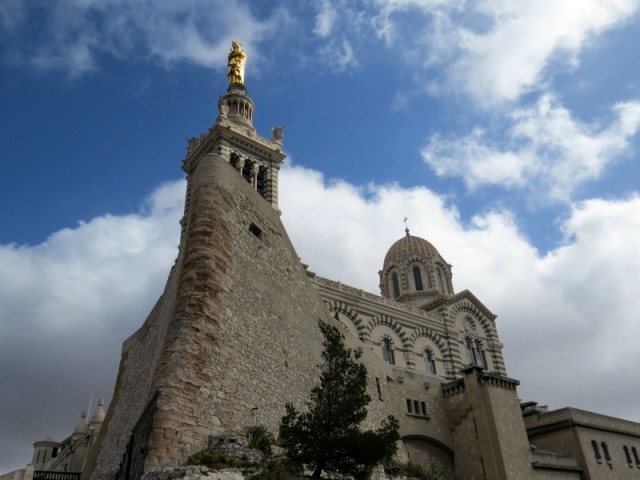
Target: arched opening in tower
x=261 y=181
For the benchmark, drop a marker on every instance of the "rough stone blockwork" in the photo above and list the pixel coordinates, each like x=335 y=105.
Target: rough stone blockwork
x=203 y=473
x=233 y=338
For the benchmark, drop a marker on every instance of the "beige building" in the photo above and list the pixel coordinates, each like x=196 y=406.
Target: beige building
x=234 y=337
x=68 y=457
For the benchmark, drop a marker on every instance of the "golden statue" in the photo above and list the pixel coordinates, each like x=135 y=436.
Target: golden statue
x=237 y=59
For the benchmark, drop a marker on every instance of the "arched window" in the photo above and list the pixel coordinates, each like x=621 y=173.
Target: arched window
x=478 y=354
x=387 y=351
x=429 y=362
x=469 y=349
x=440 y=282
x=417 y=277
x=234 y=160
x=634 y=450
x=261 y=181
x=246 y=171
x=396 y=285
x=627 y=454
x=475 y=354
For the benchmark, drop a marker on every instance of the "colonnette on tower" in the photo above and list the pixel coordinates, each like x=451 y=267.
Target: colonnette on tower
x=205 y=363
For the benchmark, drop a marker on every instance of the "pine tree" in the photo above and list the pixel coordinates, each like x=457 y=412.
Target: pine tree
x=327 y=435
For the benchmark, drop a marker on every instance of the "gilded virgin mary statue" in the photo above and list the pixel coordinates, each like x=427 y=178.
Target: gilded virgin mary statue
x=237 y=60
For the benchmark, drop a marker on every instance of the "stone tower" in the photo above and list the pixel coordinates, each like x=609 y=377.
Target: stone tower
x=234 y=335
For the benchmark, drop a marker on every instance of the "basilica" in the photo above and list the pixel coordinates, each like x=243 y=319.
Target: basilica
x=234 y=337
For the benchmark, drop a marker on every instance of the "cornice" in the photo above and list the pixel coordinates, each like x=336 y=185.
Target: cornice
x=372 y=298
x=225 y=130
x=449 y=300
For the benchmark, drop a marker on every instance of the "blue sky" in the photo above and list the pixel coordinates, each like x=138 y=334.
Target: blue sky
x=506 y=131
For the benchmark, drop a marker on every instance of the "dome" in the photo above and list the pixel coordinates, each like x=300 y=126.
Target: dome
x=409 y=247
x=414 y=272
x=98 y=416
x=81 y=427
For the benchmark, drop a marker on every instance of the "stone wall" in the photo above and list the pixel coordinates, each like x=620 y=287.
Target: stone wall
x=243 y=340
x=468 y=458
x=572 y=431
x=193 y=472
x=555 y=466
x=489 y=434
x=616 y=466
x=363 y=317
x=426 y=453
x=234 y=336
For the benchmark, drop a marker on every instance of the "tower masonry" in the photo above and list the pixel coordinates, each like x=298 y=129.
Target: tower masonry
x=234 y=335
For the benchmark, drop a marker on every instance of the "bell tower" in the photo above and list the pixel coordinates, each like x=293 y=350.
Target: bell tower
x=233 y=137
x=234 y=335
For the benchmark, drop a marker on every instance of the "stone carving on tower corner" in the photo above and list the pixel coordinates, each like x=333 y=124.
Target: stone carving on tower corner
x=277 y=134
x=223 y=107
x=192 y=144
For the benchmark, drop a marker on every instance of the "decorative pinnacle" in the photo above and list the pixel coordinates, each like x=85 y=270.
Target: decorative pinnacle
x=406 y=226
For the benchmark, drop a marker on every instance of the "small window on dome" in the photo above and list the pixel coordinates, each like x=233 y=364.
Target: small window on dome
x=440 y=282
x=417 y=277
x=396 y=285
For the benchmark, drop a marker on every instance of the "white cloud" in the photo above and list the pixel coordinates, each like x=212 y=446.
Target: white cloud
x=546 y=150
x=325 y=19
x=338 y=57
x=568 y=318
x=76 y=33
x=497 y=50
x=386 y=25
x=79 y=274
x=525 y=36
x=493 y=50
x=581 y=305
x=67 y=306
